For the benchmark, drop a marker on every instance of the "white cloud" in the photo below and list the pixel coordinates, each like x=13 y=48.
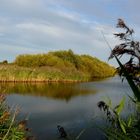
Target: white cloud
x=40 y=29
x=46 y=25
x=82 y=37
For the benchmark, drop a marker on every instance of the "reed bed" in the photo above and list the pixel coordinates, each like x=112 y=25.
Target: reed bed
x=59 y=66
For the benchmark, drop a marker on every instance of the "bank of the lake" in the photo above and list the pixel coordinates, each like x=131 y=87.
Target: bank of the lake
x=59 y=66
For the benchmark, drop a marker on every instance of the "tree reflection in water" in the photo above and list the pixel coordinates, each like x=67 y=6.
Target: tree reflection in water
x=62 y=91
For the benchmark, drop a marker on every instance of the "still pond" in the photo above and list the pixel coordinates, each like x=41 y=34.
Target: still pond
x=71 y=105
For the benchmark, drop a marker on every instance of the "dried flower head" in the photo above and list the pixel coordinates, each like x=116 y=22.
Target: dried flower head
x=129 y=48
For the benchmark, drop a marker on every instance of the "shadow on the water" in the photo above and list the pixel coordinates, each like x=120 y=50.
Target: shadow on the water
x=51 y=90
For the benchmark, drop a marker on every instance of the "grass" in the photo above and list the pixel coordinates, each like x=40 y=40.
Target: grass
x=120 y=128
x=55 y=66
x=10 y=129
x=44 y=74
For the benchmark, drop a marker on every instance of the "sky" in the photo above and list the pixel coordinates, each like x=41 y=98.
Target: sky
x=40 y=26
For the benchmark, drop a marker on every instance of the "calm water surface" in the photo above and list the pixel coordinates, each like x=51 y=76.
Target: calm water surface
x=74 y=106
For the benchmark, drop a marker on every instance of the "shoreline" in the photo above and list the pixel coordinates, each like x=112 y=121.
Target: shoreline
x=55 y=81
x=42 y=81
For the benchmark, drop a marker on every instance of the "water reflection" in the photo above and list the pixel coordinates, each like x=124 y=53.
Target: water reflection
x=51 y=90
x=74 y=106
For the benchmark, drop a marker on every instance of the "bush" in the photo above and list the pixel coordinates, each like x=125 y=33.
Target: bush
x=68 y=63
x=4 y=62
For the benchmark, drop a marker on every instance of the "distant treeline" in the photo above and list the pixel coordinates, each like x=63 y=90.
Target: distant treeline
x=55 y=66
x=4 y=62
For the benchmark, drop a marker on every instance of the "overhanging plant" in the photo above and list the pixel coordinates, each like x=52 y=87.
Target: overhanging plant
x=130 y=48
x=120 y=128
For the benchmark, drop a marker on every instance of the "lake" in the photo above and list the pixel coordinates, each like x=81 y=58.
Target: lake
x=71 y=105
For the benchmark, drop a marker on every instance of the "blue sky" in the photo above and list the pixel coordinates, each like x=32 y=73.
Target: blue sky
x=39 y=26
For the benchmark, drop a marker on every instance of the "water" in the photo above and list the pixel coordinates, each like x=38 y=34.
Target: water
x=74 y=106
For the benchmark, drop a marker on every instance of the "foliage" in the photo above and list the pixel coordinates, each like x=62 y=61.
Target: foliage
x=128 y=47
x=39 y=74
x=4 y=62
x=10 y=129
x=119 y=128
x=95 y=67
x=68 y=56
x=131 y=69
x=65 y=64
x=125 y=129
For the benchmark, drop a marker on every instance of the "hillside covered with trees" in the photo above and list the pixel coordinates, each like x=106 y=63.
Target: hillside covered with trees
x=55 y=66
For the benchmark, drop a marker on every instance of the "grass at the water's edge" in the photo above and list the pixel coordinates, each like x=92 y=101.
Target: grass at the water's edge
x=13 y=73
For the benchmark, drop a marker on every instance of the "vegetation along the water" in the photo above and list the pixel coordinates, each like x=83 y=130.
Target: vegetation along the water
x=125 y=128
x=54 y=66
x=10 y=128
